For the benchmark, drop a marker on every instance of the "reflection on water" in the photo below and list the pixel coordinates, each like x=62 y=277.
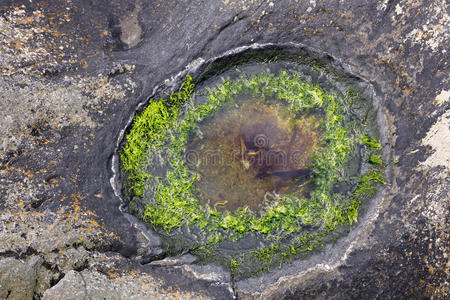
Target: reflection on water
x=249 y=150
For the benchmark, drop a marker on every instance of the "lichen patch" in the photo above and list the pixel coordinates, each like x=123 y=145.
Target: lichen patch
x=435 y=31
x=438 y=138
x=443 y=97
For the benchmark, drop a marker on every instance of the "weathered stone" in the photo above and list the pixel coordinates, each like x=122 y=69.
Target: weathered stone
x=73 y=73
x=175 y=261
x=17 y=278
x=207 y=272
x=90 y=284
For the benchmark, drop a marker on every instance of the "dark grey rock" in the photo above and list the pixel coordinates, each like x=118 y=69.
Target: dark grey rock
x=73 y=73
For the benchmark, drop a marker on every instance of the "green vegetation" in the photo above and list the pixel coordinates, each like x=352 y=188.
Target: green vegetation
x=164 y=127
x=375 y=159
x=234 y=265
x=370 y=142
x=367 y=184
x=148 y=133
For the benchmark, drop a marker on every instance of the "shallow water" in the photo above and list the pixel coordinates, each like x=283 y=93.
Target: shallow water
x=250 y=150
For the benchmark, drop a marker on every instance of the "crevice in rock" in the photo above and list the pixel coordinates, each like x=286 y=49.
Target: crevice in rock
x=10 y=157
x=148 y=260
x=55 y=281
x=85 y=286
x=19 y=254
x=49 y=266
x=9 y=253
x=83 y=266
x=38 y=203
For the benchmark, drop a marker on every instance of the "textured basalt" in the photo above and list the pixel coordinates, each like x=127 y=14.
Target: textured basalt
x=72 y=74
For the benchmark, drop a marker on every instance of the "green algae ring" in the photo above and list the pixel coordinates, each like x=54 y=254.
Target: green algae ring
x=249 y=172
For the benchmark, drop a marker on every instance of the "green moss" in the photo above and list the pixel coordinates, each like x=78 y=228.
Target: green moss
x=148 y=132
x=165 y=126
x=375 y=159
x=234 y=266
x=370 y=142
x=367 y=184
x=175 y=202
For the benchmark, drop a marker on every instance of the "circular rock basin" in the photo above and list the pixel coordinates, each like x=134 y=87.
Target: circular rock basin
x=253 y=166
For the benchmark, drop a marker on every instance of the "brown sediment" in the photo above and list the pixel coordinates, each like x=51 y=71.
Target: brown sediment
x=250 y=150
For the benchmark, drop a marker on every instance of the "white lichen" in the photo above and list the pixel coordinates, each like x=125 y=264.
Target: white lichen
x=436 y=30
x=438 y=138
x=398 y=9
x=443 y=97
x=382 y=5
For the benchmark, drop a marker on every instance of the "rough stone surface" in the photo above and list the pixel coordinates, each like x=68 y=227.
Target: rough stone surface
x=90 y=284
x=17 y=278
x=175 y=261
x=73 y=72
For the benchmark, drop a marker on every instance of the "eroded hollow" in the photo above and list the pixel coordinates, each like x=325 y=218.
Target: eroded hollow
x=262 y=159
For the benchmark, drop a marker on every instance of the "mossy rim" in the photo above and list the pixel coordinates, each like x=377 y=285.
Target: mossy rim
x=164 y=127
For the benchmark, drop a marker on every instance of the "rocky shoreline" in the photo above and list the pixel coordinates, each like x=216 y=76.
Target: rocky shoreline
x=72 y=74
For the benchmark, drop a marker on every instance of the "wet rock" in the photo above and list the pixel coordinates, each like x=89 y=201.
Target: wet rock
x=148 y=243
x=175 y=261
x=72 y=75
x=208 y=272
x=213 y=274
